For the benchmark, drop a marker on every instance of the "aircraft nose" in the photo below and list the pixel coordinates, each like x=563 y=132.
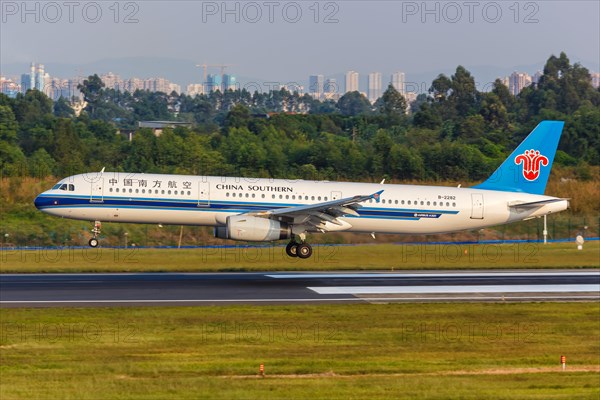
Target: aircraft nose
x=41 y=201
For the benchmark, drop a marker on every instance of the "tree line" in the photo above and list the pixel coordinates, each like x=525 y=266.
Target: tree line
x=453 y=132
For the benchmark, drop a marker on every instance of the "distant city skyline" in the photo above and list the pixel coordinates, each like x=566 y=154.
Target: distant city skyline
x=320 y=86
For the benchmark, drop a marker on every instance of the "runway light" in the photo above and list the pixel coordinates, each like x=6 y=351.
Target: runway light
x=261 y=370
x=563 y=361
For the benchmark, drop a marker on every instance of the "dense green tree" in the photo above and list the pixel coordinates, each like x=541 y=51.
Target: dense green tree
x=63 y=109
x=392 y=103
x=353 y=103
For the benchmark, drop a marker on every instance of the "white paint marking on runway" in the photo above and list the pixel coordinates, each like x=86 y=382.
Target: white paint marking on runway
x=455 y=289
x=434 y=275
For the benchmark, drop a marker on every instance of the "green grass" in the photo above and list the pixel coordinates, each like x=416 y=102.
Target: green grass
x=271 y=258
x=450 y=351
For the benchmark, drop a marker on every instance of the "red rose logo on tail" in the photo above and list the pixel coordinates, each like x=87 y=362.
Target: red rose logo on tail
x=532 y=160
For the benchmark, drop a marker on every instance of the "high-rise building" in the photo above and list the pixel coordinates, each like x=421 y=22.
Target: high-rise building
x=229 y=82
x=316 y=85
x=9 y=87
x=31 y=84
x=595 y=79
x=536 y=77
x=374 y=86
x=398 y=82
x=25 y=83
x=331 y=86
x=517 y=81
x=351 y=81
x=213 y=83
x=195 y=89
x=40 y=78
x=112 y=81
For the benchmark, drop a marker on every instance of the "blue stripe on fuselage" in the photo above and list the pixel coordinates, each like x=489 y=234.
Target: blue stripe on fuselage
x=67 y=201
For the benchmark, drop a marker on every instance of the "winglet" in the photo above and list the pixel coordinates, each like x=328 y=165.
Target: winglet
x=377 y=196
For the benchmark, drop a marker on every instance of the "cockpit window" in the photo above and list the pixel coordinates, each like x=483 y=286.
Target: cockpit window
x=64 y=186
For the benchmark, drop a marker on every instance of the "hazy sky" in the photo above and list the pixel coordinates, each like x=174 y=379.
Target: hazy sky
x=283 y=40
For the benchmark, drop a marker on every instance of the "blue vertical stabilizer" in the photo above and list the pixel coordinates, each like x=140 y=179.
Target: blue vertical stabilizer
x=528 y=167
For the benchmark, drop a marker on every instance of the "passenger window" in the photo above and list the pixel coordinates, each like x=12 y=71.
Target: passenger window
x=227 y=194
x=263 y=195
x=428 y=203
x=110 y=190
x=137 y=190
x=402 y=202
x=325 y=198
x=280 y=196
x=447 y=204
x=453 y=204
x=233 y=194
x=409 y=202
x=396 y=201
x=117 y=190
x=247 y=195
x=175 y=192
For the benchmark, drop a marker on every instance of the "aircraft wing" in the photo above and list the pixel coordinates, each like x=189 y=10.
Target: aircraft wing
x=320 y=214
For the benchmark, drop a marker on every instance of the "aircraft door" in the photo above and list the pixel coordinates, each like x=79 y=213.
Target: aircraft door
x=97 y=195
x=203 y=194
x=336 y=195
x=476 y=206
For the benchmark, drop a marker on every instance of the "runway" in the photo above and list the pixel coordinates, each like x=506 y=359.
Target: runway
x=71 y=290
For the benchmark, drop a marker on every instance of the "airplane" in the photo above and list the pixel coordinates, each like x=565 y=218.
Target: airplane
x=265 y=210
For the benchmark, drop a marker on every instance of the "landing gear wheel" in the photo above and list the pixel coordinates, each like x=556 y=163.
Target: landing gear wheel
x=292 y=249
x=304 y=250
x=96 y=231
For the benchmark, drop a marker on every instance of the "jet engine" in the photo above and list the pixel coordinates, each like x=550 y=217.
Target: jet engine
x=253 y=229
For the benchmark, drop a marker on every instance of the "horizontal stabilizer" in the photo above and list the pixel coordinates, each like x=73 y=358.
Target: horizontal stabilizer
x=534 y=204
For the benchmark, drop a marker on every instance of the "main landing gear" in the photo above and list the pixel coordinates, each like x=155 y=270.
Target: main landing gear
x=96 y=231
x=300 y=250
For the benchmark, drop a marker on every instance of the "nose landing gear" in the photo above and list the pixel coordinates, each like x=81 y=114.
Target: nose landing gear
x=96 y=231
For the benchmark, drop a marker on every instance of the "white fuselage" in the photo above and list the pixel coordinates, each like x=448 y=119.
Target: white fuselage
x=203 y=200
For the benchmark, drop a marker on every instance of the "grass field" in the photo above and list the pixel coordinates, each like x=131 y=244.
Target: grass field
x=450 y=351
x=270 y=258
